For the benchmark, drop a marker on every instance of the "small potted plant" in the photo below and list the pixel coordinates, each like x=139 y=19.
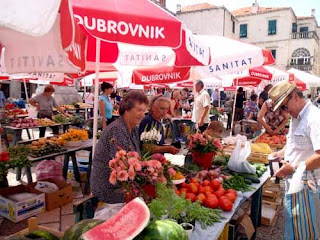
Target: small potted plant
x=203 y=148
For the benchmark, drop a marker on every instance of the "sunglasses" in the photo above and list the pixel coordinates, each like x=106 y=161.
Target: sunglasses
x=285 y=106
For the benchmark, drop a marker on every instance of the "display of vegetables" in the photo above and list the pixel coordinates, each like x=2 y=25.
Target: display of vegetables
x=260 y=148
x=45 y=147
x=274 y=139
x=45 y=122
x=24 y=123
x=75 y=135
x=60 y=118
x=77 y=119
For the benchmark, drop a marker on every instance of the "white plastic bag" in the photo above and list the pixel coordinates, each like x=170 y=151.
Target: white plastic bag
x=238 y=159
x=296 y=182
x=32 y=111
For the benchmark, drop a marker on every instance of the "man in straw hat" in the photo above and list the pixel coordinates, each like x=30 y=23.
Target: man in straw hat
x=301 y=161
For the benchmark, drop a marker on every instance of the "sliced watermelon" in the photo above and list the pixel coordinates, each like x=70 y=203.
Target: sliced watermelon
x=125 y=225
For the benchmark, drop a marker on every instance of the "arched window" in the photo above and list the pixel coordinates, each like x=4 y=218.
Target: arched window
x=301 y=56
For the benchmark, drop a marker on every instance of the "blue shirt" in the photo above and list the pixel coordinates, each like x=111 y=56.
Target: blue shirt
x=146 y=124
x=108 y=108
x=2 y=98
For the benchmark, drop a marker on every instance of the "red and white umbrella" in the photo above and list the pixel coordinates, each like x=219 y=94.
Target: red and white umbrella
x=274 y=75
x=40 y=36
x=302 y=86
x=310 y=79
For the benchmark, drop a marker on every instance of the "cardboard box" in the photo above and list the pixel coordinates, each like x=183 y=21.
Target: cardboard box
x=58 y=198
x=17 y=211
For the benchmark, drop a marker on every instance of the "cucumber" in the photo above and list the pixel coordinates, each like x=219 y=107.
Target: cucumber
x=247 y=181
x=259 y=173
x=252 y=177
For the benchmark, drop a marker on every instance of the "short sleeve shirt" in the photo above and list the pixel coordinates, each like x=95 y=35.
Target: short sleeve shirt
x=201 y=101
x=45 y=104
x=108 y=108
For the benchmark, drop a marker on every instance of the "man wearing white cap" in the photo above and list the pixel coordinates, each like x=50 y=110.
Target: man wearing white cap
x=301 y=164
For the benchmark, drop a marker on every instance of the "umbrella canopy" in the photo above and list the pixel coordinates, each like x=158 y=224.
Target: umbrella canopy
x=37 y=38
x=302 y=86
x=310 y=79
x=270 y=73
x=138 y=22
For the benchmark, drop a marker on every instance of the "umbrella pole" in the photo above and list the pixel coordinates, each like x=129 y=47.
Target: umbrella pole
x=234 y=107
x=96 y=93
x=25 y=89
x=85 y=106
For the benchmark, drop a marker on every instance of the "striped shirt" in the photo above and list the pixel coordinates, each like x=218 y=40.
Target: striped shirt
x=303 y=138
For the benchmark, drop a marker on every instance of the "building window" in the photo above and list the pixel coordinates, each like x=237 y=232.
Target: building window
x=233 y=27
x=294 y=27
x=243 y=30
x=301 y=56
x=272 y=29
x=304 y=29
x=273 y=52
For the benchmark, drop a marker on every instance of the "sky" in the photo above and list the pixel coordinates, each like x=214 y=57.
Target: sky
x=300 y=7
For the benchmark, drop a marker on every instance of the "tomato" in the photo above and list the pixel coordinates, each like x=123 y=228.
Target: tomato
x=201 y=189
x=191 y=196
x=193 y=188
x=183 y=190
x=225 y=204
x=184 y=185
x=201 y=197
x=178 y=192
x=193 y=180
x=215 y=184
x=212 y=202
x=208 y=189
x=209 y=194
x=206 y=183
x=230 y=190
x=220 y=192
x=197 y=184
x=231 y=197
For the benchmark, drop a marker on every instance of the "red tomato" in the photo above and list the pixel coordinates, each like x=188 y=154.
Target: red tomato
x=220 y=192
x=193 y=188
x=231 y=197
x=197 y=184
x=232 y=191
x=208 y=189
x=201 y=197
x=183 y=190
x=209 y=194
x=191 y=196
x=212 y=202
x=206 y=183
x=193 y=180
x=184 y=185
x=215 y=184
x=225 y=204
x=201 y=189
x=177 y=192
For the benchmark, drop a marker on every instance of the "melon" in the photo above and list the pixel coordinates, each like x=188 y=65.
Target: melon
x=163 y=230
x=125 y=225
x=76 y=230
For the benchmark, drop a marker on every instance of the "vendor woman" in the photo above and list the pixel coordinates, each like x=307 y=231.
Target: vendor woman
x=44 y=102
x=273 y=121
x=159 y=107
x=122 y=133
x=105 y=104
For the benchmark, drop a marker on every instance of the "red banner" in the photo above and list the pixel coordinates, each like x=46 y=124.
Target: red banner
x=160 y=75
x=260 y=72
x=247 y=81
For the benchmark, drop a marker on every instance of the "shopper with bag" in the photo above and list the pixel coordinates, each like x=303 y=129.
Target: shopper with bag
x=44 y=102
x=301 y=164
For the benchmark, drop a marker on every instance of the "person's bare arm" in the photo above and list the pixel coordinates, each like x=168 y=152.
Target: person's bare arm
x=313 y=162
x=33 y=103
x=261 y=120
x=164 y=149
x=172 y=105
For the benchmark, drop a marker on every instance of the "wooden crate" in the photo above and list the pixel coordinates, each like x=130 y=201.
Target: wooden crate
x=269 y=214
x=32 y=226
x=259 y=158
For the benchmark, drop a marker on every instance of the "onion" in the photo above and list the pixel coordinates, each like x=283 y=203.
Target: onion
x=218 y=170
x=220 y=179
x=213 y=174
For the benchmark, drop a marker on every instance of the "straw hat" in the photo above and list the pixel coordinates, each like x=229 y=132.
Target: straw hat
x=279 y=92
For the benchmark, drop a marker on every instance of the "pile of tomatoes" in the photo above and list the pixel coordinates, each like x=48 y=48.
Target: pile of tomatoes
x=209 y=193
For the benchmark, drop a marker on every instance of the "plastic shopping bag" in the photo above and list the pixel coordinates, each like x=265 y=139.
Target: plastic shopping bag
x=238 y=159
x=32 y=111
x=296 y=182
x=49 y=169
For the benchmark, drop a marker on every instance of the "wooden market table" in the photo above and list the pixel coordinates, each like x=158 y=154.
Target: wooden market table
x=16 y=131
x=69 y=152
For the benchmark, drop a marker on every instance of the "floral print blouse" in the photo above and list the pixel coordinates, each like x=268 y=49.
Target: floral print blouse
x=273 y=118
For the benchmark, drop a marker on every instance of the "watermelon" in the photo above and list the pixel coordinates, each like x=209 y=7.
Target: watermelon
x=76 y=230
x=41 y=234
x=125 y=225
x=163 y=230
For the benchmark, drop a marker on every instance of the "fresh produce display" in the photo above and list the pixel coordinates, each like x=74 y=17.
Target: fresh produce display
x=24 y=123
x=260 y=147
x=238 y=183
x=163 y=229
x=41 y=234
x=181 y=209
x=275 y=139
x=15 y=112
x=126 y=224
x=77 y=119
x=45 y=122
x=74 y=135
x=60 y=118
x=44 y=147
x=76 y=230
x=177 y=176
